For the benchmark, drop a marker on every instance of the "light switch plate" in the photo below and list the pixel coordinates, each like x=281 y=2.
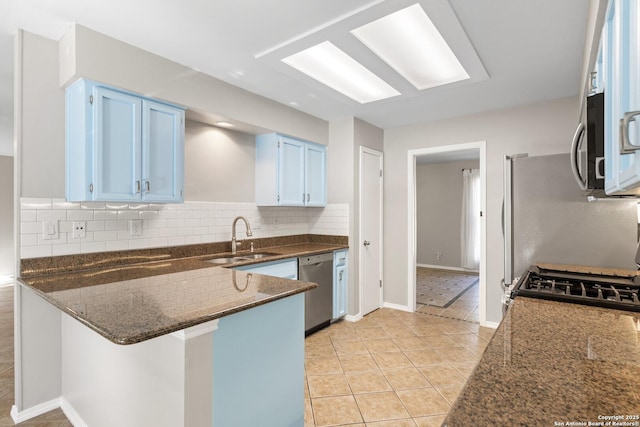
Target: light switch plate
x=135 y=227
x=50 y=230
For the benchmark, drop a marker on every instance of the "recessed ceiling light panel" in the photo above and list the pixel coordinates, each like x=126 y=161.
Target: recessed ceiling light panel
x=408 y=41
x=331 y=66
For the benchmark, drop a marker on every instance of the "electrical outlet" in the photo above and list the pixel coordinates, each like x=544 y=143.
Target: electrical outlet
x=50 y=230
x=135 y=227
x=438 y=255
x=79 y=229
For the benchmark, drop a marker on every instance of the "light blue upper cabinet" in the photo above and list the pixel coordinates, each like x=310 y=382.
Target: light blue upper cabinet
x=620 y=64
x=162 y=152
x=315 y=178
x=118 y=141
x=290 y=172
x=122 y=147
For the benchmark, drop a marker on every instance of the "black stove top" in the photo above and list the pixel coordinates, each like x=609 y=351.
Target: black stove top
x=622 y=293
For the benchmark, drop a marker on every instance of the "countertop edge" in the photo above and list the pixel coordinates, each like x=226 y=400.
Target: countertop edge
x=134 y=339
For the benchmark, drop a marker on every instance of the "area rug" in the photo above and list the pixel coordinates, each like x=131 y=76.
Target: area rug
x=441 y=288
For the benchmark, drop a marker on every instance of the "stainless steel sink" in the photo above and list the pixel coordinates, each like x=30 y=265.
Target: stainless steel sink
x=225 y=260
x=239 y=258
x=257 y=255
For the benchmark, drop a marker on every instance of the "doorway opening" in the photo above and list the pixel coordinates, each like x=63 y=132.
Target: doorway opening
x=447 y=231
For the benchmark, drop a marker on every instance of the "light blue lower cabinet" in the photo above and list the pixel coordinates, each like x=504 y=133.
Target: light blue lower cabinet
x=340 y=283
x=258 y=366
x=285 y=268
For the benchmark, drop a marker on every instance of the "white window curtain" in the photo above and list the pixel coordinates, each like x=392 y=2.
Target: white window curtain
x=470 y=232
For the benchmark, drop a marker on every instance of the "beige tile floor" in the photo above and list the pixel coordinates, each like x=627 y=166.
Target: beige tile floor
x=389 y=369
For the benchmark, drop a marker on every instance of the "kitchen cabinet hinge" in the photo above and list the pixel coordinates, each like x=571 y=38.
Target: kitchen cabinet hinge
x=380 y=283
x=278 y=199
x=380 y=173
x=90 y=99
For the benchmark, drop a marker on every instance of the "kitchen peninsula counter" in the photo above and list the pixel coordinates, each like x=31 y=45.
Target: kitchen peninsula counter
x=554 y=363
x=206 y=344
x=132 y=302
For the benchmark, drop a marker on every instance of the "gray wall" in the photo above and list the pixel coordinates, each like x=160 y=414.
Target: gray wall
x=439 y=212
x=346 y=136
x=41 y=120
x=6 y=216
x=219 y=164
x=544 y=128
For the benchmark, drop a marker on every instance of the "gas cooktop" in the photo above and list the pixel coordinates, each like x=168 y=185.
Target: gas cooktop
x=618 y=292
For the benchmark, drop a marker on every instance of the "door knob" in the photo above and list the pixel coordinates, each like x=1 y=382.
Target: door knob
x=367 y=243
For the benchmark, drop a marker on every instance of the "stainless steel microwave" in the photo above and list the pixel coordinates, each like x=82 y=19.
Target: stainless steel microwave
x=587 y=149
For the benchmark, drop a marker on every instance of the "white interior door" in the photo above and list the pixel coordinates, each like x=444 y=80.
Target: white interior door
x=370 y=230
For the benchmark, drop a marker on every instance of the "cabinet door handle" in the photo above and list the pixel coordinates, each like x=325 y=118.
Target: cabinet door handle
x=367 y=243
x=626 y=147
x=308 y=197
x=137 y=187
x=147 y=186
x=340 y=278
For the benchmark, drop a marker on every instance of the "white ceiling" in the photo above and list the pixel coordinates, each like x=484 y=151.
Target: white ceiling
x=531 y=49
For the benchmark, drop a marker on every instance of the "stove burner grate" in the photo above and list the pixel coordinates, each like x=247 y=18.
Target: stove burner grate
x=620 y=293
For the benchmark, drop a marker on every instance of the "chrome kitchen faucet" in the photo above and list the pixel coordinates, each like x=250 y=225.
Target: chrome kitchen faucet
x=234 y=242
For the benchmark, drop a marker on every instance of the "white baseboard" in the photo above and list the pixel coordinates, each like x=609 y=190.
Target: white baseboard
x=34 y=411
x=492 y=325
x=397 y=307
x=444 y=267
x=42 y=408
x=71 y=413
x=355 y=318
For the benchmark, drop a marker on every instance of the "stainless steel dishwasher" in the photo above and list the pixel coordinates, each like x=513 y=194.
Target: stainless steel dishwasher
x=318 y=303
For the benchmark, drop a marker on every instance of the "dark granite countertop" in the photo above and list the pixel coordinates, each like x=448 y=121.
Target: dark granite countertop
x=553 y=364
x=133 y=302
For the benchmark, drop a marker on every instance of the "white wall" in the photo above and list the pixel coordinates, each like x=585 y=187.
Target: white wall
x=544 y=128
x=439 y=212
x=6 y=135
x=6 y=219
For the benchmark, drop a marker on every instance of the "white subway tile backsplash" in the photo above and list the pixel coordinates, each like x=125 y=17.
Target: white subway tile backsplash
x=164 y=225
x=35 y=251
x=127 y=215
x=66 y=249
x=117 y=245
x=90 y=247
x=95 y=225
x=79 y=215
x=92 y=205
x=105 y=215
x=34 y=203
